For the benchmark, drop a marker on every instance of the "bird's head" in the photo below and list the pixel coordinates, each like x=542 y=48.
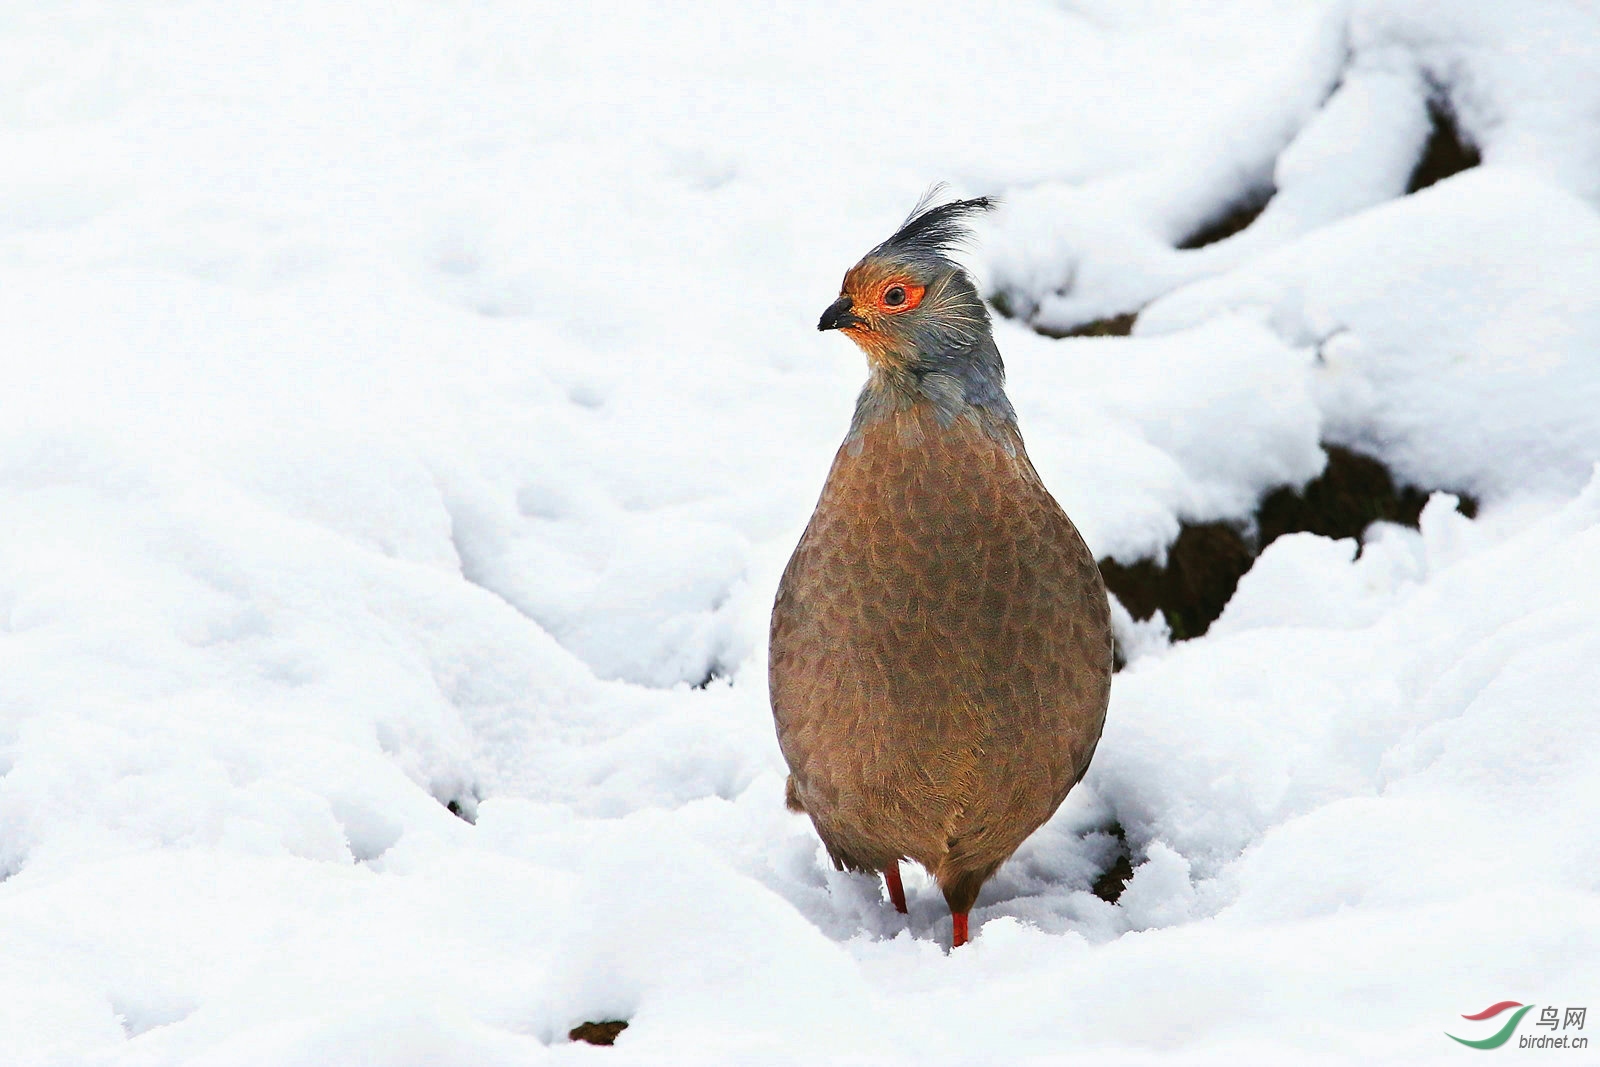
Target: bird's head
x=911 y=307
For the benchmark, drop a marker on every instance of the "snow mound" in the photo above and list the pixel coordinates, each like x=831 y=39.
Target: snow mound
x=1457 y=331
x=1342 y=129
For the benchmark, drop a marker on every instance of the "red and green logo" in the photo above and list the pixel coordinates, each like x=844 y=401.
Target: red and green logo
x=1551 y=1018
x=1501 y=1036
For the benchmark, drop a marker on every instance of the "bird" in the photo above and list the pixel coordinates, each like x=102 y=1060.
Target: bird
x=940 y=652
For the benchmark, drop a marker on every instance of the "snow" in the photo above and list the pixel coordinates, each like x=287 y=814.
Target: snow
x=1132 y=428
x=1340 y=131
x=414 y=405
x=1446 y=336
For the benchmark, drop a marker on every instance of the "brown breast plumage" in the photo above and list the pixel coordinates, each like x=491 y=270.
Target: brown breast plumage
x=941 y=651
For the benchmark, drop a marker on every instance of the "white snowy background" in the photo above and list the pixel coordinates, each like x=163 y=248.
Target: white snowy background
x=414 y=403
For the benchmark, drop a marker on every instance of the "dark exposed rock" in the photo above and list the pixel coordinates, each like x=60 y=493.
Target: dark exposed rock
x=1009 y=305
x=1004 y=304
x=715 y=672
x=1235 y=219
x=1447 y=152
x=1115 y=326
x=460 y=801
x=601 y=1033
x=1207 y=560
x=1109 y=886
x=1204 y=566
x=1352 y=493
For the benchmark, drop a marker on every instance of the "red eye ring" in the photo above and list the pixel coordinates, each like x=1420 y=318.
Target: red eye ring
x=898 y=296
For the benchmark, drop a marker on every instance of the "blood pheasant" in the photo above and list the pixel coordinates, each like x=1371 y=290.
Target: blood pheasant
x=941 y=642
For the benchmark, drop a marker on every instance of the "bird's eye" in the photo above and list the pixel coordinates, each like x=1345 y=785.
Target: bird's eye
x=899 y=297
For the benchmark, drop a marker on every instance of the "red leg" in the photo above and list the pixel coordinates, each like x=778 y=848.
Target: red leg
x=897 y=892
x=958 y=929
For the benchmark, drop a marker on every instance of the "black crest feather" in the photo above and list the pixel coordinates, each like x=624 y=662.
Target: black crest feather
x=935 y=230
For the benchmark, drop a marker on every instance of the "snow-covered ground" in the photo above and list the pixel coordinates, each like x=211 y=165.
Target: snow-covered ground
x=413 y=404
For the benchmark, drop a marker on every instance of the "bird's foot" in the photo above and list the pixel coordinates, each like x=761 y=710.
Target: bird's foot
x=897 y=892
x=958 y=929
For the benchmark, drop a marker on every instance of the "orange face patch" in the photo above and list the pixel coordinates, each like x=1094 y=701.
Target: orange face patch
x=877 y=296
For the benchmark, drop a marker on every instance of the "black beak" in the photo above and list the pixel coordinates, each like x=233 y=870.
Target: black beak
x=839 y=315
